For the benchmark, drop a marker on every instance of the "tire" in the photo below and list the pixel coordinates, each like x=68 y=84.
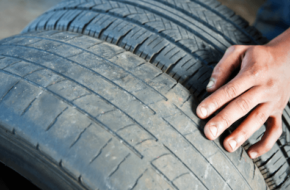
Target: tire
x=74 y=117
x=184 y=39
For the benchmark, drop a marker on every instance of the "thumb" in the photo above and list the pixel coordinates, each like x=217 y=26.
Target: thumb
x=225 y=67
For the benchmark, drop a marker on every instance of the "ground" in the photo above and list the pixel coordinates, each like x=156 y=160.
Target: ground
x=16 y=14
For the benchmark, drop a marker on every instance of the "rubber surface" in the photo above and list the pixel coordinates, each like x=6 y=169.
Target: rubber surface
x=104 y=118
x=183 y=38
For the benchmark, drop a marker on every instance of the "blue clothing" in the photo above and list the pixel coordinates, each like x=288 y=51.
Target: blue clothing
x=273 y=18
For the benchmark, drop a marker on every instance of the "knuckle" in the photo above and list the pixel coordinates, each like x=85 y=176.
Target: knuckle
x=234 y=48
x=261 y=117
x=230 y=91
x=255 y=70
x=270 y=83
x=243 y=135
x=215 y=104
x=279 y=131
x=243 y=104
x=225 y=122
x=267 y=147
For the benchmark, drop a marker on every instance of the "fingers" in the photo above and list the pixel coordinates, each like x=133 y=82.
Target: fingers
x=251 y=124
x=271 y=135
x=234 y=88
x=232 y=112
x=222 y=71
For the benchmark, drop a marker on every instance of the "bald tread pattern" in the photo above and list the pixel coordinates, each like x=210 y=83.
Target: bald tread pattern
x=82 y=105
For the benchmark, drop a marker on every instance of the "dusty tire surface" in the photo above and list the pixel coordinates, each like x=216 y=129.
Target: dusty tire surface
x=183 y=39
x=100 y=117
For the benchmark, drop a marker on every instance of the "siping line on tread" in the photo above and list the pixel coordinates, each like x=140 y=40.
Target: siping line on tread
x=176 y=43
x=133 y=149
x=221 y=150
x=197 y=19
x=105 y=78
x=194 y=149
x=172 y=19
x=83 y=65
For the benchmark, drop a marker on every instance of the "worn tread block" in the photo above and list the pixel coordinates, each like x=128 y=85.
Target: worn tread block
x=148 y=96
x=5 y=62
x=22 y=68
x=68 y=89
x=134 y=134
x=178 y=95
x=66 y=51
x=130 y=63
x=129 y=83
x=63 y=36
x=44 y=77
x=44 y=117
x=94 y=105
x=120 y=120
x=204 y=168
x=146 y=72
x=20 y=96
x=104 y=163
x=126 y=175
x=84 y=42
x=175 y=165
x=26 y=42
x=88 y=144
x=108 y=51
x=7 y=82
x=44 y=45
x=64 y=130
x=151 y=180
x=162 y=83
x=187 y=181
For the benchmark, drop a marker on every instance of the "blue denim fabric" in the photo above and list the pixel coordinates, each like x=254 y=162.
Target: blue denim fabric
x=273 y=18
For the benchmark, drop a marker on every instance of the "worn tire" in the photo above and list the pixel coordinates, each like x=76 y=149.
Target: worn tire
x=184 y=39
x=79 y=113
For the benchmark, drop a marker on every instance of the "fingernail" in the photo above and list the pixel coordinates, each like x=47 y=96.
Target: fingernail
x=253 y=155
x=233 y=144
x=213 y=130
x=211 y=83
x=203 y=111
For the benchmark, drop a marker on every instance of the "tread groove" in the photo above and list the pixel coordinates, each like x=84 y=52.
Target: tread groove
x=83 y=112
x=116 y=169
x=100 y=152
x=79 y=136
x=55 y=120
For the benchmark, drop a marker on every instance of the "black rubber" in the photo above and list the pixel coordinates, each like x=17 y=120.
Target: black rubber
x=184 y=39
x=102 y=118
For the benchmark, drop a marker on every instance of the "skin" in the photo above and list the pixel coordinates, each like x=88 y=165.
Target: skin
x=261 y=88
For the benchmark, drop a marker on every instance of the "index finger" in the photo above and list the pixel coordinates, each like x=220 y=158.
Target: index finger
x=225 y=94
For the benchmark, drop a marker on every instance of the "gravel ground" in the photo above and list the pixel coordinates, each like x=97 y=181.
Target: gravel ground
x=245 y=8
x=16 y=14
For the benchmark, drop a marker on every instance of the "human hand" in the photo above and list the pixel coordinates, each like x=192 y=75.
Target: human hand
x=262 y=87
